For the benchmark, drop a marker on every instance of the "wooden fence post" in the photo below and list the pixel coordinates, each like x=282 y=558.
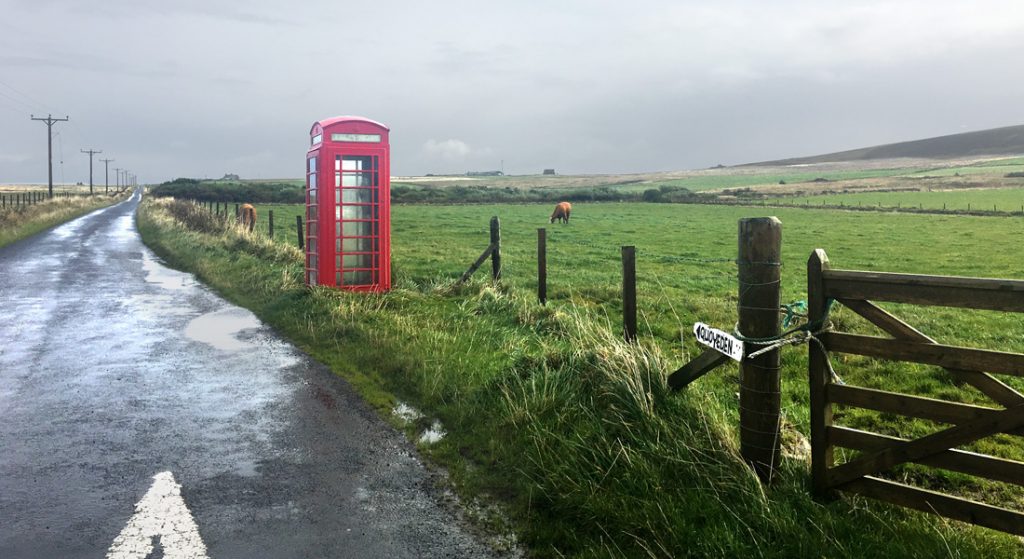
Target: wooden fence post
x=496 y=253
x=237 y=215
x=629 y=293
x=542 y=265
x=298 y=227
x=270 y=220
x=760 y=244
x=819 y=379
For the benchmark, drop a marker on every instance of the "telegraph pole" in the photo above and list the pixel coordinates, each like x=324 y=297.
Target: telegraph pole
x=117 y=177
x=106 y=174
x=50 y=121
x=91 y=152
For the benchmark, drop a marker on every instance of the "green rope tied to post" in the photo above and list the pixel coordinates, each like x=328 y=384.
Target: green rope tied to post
x=792 y=309
x=807 y=332
x=810 y=327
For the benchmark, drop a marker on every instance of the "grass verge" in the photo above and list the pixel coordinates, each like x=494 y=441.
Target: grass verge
x=549 y=414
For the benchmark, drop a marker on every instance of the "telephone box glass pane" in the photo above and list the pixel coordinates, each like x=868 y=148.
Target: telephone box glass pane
x=361 y=277
x=312 y=164
x=357 y=229
x=357 y=245
x=356 y=212
x=358 y=196
x=312 y=181
x=355 y=162
x=357 y=261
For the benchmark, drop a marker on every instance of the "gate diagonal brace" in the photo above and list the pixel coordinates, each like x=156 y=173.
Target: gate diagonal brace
x=924 y=447
x=898 y=329
x=476 y=265
x=700 y=366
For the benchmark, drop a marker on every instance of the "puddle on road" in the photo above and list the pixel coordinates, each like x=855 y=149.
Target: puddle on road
x=220 y=329
x=157 y=273
x=406 y=413
x=123 y=228
x=434 y=434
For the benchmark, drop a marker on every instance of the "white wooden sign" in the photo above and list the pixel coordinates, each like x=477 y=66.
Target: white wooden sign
x=718 y=340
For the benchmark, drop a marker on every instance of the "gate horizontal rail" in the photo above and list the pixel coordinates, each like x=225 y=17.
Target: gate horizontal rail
x=964 y=423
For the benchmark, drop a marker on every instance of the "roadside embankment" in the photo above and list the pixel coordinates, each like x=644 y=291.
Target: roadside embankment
x=568 y=435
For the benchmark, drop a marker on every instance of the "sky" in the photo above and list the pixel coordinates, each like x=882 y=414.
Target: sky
x=200 y=88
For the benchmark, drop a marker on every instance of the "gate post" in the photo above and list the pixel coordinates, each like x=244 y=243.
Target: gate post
x=629 y=293
x=819 y=378
x=759 y=269
x=542 y=265
x=496 y=253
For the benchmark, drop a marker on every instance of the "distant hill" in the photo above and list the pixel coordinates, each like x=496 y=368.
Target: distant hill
x=1008 y=140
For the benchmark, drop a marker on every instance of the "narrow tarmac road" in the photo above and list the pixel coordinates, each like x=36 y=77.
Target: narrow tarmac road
x=121 y=379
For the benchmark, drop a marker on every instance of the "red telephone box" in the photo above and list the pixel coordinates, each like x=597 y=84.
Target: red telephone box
x=348 y=205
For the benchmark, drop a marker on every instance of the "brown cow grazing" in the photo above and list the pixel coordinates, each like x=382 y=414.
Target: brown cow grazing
x=247 y=216
x=562 y=210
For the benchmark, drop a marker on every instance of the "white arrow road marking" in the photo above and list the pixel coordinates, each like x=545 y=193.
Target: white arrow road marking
x=160 y=514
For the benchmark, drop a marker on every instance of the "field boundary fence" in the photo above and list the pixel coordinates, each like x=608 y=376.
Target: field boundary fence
x=857 y=291
x=972 y=209
x=21 y=200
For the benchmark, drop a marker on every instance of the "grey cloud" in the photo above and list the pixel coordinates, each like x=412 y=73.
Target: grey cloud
x=189 y=88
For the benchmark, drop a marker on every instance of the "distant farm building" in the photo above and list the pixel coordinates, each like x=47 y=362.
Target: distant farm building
x=230 y=177
x=549 y=171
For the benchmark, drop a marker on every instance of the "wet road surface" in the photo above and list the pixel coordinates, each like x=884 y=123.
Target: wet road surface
x=120 y=378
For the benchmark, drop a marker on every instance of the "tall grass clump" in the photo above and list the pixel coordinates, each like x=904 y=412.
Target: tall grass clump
x=616 y=465
x=193 y=218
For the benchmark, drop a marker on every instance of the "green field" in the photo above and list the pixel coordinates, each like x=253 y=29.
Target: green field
x=572 y=430
x=999 y=199
x=734 y=179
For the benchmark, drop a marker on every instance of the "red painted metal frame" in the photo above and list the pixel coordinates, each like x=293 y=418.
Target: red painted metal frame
x=324 y=255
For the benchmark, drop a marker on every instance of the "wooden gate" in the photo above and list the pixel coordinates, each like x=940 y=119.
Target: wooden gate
x=879 y=453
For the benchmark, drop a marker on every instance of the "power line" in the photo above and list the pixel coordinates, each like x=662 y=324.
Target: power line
x=18 y=101
x=91 y=152
x=33 y=103
x=50 y=121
